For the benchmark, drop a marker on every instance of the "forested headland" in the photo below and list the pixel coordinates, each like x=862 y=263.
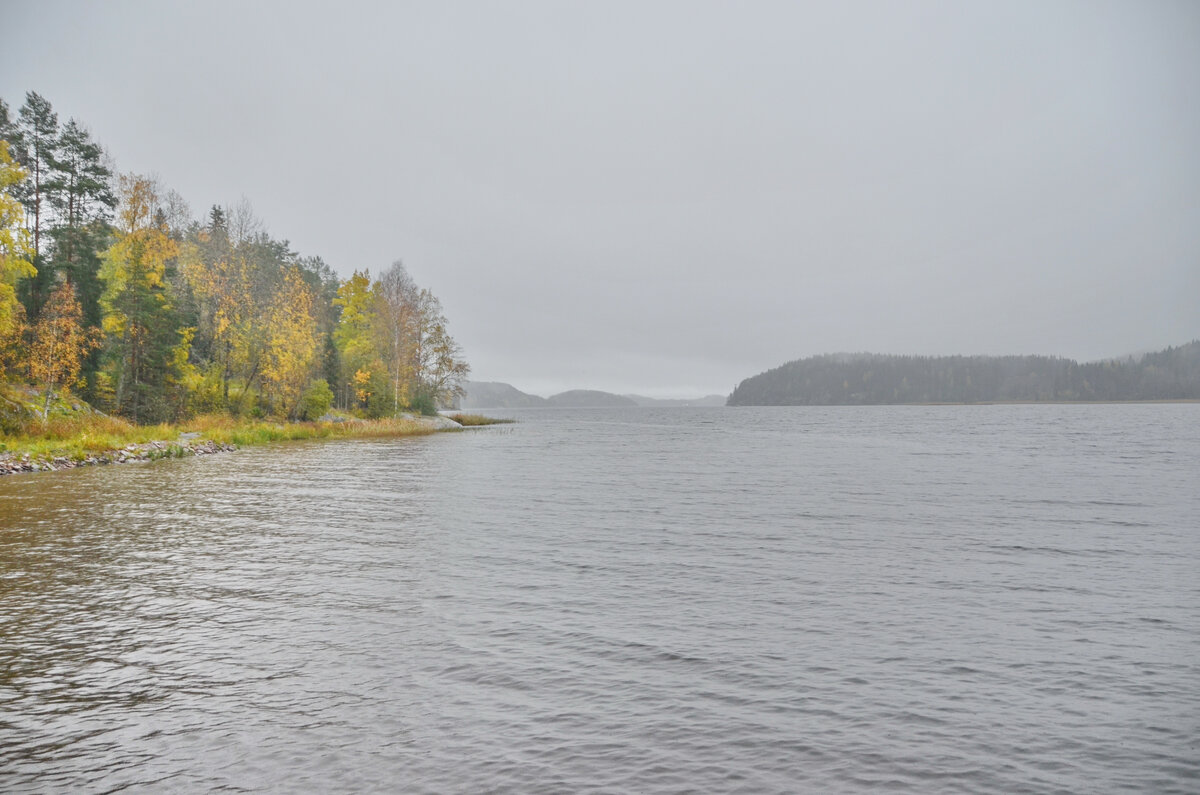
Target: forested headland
x=863 y=379
x=112 y=291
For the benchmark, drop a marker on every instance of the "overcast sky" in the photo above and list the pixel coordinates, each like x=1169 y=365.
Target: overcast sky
x=670 y=197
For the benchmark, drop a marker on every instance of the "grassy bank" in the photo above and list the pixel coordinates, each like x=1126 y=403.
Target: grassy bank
x=83 y=435
x=70 y=432
x=87 y=437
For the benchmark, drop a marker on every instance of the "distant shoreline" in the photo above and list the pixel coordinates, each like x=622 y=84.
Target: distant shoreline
x=861 y=405
x=1172 y=374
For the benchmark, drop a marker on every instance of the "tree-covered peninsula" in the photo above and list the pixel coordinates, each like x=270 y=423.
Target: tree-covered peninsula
x=113 y=295
x=863 y=379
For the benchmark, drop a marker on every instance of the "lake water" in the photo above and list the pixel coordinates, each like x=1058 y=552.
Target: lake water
x=902 y=599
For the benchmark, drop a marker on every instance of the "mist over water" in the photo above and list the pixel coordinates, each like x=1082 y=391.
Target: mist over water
x=908 y=599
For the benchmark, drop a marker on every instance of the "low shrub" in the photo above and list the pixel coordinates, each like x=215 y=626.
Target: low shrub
x=316 y=400
x=424 y=403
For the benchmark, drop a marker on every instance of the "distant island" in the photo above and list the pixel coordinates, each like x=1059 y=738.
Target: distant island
x=865 y=379
x=707 y=400
x=588 y=398
x=498 y=395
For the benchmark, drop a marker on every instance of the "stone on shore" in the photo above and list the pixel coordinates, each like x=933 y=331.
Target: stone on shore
x=148 y=451
x=442 y=423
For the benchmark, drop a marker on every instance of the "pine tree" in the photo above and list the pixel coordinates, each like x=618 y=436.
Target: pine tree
x=79 y=188
x=80 y=191
x=8 y=125
x=37 y=141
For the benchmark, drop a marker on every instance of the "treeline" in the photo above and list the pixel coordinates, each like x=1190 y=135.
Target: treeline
x=860 y=379
x=109 y=287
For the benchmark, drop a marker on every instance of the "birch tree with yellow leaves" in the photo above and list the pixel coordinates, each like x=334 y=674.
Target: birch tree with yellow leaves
x=396 y=352
x=364 y=376
x=252 y=301
x=139 y=323
x=437 y=358
x=220 y=284
x=16 y=247
x=292 y=346
x=60 y=343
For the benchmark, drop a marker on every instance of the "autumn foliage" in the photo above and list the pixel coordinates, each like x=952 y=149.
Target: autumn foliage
x=111 y=289
x=60 y=344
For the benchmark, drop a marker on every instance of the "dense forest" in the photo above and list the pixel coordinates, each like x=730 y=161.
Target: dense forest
x=109 y=288
x=856 y=379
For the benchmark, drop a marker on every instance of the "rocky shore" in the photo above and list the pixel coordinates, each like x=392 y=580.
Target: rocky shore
x=189 y=444
x=11 y=464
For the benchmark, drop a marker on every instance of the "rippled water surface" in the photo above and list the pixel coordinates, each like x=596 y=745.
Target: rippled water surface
x=906 y=599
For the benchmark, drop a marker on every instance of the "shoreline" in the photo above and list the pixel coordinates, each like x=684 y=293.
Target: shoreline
x=11 y=464
x=228 y=438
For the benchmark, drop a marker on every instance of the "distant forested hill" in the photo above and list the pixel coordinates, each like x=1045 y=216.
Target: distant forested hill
x=588 y=398
x=855 y=379
x=496 y=395
x=708 y=401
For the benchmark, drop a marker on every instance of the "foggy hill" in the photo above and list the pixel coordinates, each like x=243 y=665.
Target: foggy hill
x=496 y=395
x=707 y=400
x=841 y=379
x=588 y=398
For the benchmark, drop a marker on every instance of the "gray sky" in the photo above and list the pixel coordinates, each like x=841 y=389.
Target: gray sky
x=670 y=197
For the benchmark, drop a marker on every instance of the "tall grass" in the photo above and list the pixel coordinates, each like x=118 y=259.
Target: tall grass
x=80 y=435
x=77 y=435
x=471 y=420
